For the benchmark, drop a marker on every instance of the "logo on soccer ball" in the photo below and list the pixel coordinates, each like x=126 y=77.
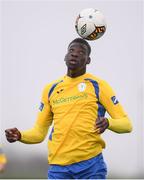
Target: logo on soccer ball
x=83 y=29
x=82 y=87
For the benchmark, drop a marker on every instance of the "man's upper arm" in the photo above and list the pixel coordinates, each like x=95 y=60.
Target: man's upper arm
x=119 y=121
x=110 y=101
x=45 y=115
x=43 y=122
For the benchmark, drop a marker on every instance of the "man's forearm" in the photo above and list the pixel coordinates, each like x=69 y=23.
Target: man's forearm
x=34 y=135
x=121 y=125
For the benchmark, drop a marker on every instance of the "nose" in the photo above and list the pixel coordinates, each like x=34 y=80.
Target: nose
x=74 y=54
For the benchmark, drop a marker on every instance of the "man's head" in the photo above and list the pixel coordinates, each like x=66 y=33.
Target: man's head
x=81 y=41
x=78 y=54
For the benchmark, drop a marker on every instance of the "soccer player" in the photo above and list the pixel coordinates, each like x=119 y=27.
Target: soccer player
x=75 y=105
x=3 y=160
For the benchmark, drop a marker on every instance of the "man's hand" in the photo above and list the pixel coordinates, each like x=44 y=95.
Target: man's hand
x=101 y=124
x=12 y=135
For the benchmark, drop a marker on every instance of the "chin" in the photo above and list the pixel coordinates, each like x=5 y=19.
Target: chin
x=73 y=68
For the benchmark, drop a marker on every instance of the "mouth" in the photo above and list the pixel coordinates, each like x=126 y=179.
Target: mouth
x=73 y=61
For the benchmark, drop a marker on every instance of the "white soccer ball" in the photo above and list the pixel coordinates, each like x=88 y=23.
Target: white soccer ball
x=90 y=24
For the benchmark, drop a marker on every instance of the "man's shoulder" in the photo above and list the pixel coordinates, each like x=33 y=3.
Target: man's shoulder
x=100 y=82
x=96 y=78
x=53 y=83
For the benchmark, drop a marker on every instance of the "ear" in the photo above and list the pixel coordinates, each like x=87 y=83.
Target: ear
x=88 y=60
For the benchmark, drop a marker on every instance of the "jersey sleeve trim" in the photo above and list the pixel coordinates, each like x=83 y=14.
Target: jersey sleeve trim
x=52 y=88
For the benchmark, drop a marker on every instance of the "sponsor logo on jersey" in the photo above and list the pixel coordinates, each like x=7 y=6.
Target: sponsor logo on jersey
x=68 y=99
x=114 y=100
x=41 y=106
x=82 y=87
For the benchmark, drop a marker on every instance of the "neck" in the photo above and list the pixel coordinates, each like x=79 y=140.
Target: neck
x=74 y=74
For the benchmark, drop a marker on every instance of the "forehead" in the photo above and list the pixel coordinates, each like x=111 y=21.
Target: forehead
x=78 y=45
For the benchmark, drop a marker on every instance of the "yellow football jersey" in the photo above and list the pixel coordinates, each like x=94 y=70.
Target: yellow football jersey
x=73 y=105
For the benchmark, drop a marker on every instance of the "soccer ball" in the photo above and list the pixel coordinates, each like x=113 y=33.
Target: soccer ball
x=90 y=24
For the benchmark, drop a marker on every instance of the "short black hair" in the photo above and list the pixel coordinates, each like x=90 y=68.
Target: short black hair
x=82 y=41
